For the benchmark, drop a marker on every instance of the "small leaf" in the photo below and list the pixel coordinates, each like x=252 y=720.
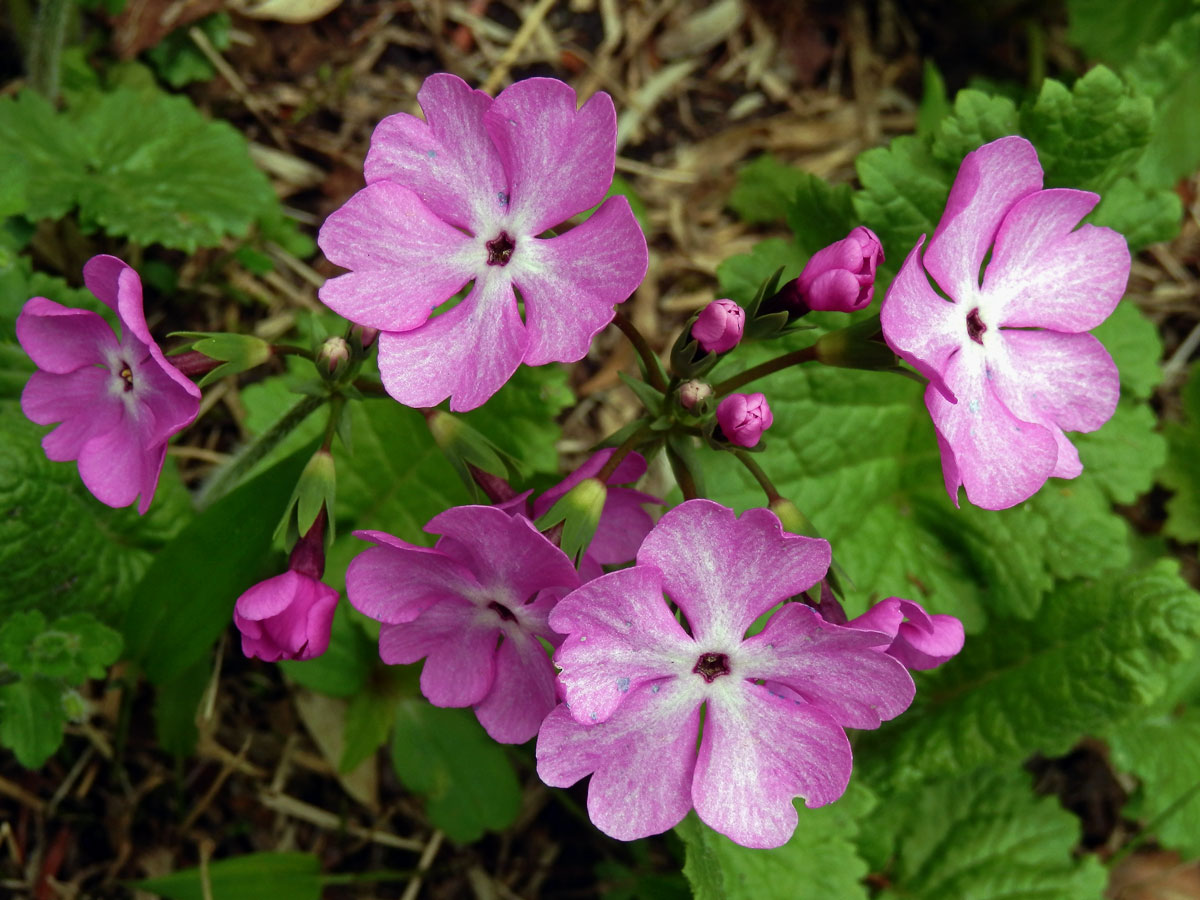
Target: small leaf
x=296 y=876
x=32 y=719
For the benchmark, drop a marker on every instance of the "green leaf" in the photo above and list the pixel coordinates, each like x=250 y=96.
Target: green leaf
x=741 y=276
x=820 y=213
x=1124 y=456
x=1182 y=470
x=467 y=781
x=1099 y=652
x=935 y=104
x=986 y=837
x=32 y=719
x=520 y=418
x=177 y=59
x=820 y=861
x=41 y=151
x=1112 y=31
x=1088 y=135
x=1164 y=753
x=296 y=876
x=765 y=188
x=187 y=596
x=342 y=670
x=1132 y=341
x=977 y=119
x=1144 y=215
x=71 y=649
x=176 y=704
x=369 y=720
x=903 y=193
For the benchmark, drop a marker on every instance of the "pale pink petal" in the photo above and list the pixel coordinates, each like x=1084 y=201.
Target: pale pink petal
x=624 y=524
x=59 y=339
x=620 y=635
x=1042 y=273
x=1000 y=459
x=559 y=160
x=724 y=572
x=572 y=283
x=404 y=260
x=114 y=466
x=643 y=758
x=171 y=408
x=919 y=325
x=80 y=400
x=459 y=643
x=523 y=691
x=925 y=641
x=448 y=160
x=1060 y=381
x=834 y=667
x=466 y=353
x=758 y=752
x=989 y=183
x=395 y=582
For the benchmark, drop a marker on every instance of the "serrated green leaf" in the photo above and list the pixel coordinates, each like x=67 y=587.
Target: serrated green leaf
x=1182 y=470
x=820 y=213
x=1099 y=652
x=179 y=61
x=1112 y=31
x=741 y=276
x=977 y=118
x=520 y=417
x=467 y=781
x=820 y=861
x=1124 y=455
x=1133 y=342
x=904 y=191
x=296 y=876
x=1143 y=215
x=765 y=188
x=32 y=719
x=40 y=151
x=985 y=836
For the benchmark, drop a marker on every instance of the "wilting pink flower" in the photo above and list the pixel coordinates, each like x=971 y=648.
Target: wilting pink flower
x=473 y=607
x=841 y=277
x=1009 y=364
x=635 y=683
x=719 y=326
x=465 y=196
x=920 y=641
x=743 y=418
x=118 y=399
x=289 y=616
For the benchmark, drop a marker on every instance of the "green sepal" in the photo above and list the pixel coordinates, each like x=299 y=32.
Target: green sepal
x=237 y=352
x=688 y=358
x=465 y=446
x=579 y=512
x=857 y=346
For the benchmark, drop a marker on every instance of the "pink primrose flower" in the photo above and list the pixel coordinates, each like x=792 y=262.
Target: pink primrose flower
x=1009 y=362
x=635 y=682
x=841 y=277
x=719 y=326
x=744 y=417
x=118 y=399
x=473 y=607
x=468 y=195
x=289 y=616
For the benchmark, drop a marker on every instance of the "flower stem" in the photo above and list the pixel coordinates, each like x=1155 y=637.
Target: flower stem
x=649 y=360
x=795 y=358
x=337 y=405
x=45 y=48
x=620 y=453
x=683 y=475
x=760 y=476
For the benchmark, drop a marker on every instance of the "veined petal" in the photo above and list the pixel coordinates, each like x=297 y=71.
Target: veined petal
x=724 y=572
x=458 y=641
x=448 y=160
x=404 y=260
x=1000 y=459
x=919 y=325
x=1043 y=273
x=114 y=465
x=620 y=635
x=1060 y=381
x=80 y=400
x=572 y=283
x=559 y=159
x=171 y=407
x=836 y=668
x=522 y=693
x=395 y=582
x=60 y=340
x=624 y=524
x=642 y=759
x=466 y=353
x=758 y=752
x=152 y=463
x=989 y=183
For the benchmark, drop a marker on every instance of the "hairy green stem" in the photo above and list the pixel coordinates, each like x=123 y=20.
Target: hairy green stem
x=45 y=48
x=795 y=358
x=683 y=475
x=760 y=476
x=649 y=360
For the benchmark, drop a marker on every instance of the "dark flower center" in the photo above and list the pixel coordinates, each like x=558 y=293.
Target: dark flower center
x=502 y=611
x=127 y=374
x=500 y=250
x=711 y=666
x=975 y=326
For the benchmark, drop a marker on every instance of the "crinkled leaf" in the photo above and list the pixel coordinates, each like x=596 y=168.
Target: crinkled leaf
x=820 y=213
x=296 y=876
x=444 y=754
x=1132 y=341
x=40 y=151
x=1125 y=454
x=976 y=119
x=1144 y=215
x=72 y=648
x=903 y=194
x=1182 y=471
x=765 y=188
x=179 y=61
x=741 y=276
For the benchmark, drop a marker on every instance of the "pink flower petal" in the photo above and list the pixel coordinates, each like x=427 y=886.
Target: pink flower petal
x=170 y=408
x=989 y=182
x=920 y=325
x=1043 y=273
x=1000 y=459
x=286 y=617
x=758 y=752
x=642 y=759
x=151 y=470
x=80 y=400
x=624 y=524
x=115 y=466
x=925 y=641
x=458 y=640
x=620 y=636
x=448 y=160
x=60 y=340
x=522 y=694
x=404 y=260
x=572 y=283
x=270 y=597
x=834 y=667
x=466 y=353
x=102 y=276
x=559 y=160
x=1060 y=381
x=724 y=572
x=395 y=582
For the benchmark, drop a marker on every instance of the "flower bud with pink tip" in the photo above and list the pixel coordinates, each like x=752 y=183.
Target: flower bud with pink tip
x=719 y=326
x=841 y=277
x=743 y=418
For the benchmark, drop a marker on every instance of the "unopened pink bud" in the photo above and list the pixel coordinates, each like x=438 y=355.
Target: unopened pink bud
x=743 y=418
x=719 y=327
x=841 y=277
x=693 y=393
x=333 y=357
x=286 y=617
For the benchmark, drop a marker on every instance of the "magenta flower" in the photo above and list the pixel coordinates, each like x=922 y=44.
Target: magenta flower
x=289 y=616
x=841 y=277
x=719 y=326
x=635 y=682
x=743 y=418
x=1009 y=364
x=919 y=640
x=118 y=399
x=474 y=608
x=468 y=195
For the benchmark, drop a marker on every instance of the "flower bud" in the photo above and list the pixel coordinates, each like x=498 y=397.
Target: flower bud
x=841 y=277
x=719 y=327
x=694 y=395
x=333 y=358
x=364 y=336
x=743 y=418
x=286 y=617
